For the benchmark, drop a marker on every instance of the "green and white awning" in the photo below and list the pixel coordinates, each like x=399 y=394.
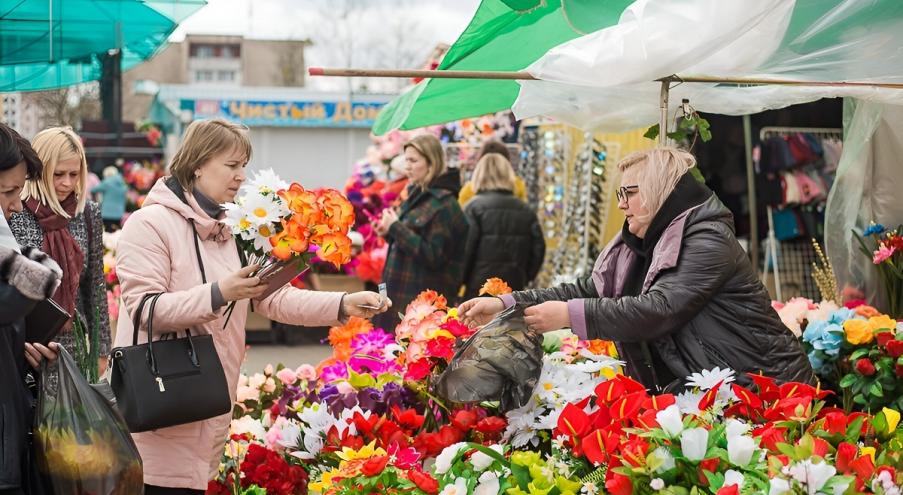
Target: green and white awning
x=596 y=60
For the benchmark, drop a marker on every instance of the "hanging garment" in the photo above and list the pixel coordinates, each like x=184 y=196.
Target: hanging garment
x=790 y=188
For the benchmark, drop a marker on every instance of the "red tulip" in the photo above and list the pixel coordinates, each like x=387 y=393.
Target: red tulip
x=865 y=367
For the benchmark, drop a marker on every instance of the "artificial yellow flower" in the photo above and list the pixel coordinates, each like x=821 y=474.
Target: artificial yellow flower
x=324 y=482
x=869 y=451
x=882 y=322
x=366 y=452
x=893 y=419
x=858 y=331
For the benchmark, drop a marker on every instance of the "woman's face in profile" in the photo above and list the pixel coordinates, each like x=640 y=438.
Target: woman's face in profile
x=631 y=202
x=416 y=166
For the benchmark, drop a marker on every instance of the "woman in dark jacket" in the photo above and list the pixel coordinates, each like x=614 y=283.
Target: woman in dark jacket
x=674 y=290
x=426 y=238
x=505 y=238
x=26 y=277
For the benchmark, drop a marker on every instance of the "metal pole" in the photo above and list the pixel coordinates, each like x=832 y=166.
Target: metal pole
x=523 y=75
x=663 y=123
x=751 y=194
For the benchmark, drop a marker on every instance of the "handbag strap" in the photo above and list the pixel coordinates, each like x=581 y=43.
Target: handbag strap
x=136 y=320
x=192 y=353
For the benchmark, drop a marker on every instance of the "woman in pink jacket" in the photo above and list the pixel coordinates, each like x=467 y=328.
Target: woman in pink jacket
x=156 y=253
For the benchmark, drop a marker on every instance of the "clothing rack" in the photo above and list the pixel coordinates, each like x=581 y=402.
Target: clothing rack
x=773 y=247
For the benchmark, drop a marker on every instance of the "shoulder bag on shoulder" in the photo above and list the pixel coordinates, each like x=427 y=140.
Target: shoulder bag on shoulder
x=168 y=382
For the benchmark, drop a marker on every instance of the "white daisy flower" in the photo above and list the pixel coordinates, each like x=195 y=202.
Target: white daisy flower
x=265 y=182
x=707 y=379
x=262 y=210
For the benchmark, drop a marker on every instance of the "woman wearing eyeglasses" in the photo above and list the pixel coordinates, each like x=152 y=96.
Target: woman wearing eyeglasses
x=674 y=289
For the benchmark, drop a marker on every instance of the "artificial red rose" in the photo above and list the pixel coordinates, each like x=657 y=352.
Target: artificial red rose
x=216 y=488
x=424 y=481
x=619 y=485
x=728 y=490
x=865 y=367
x=846 y=452
x=418 y=370
x=895 y=348
x=836 y=423
x=490 y=425
x=464 y=419
x=441 y=347
x=375 y=465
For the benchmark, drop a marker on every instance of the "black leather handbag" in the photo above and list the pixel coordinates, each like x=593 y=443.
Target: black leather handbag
x=168 y=382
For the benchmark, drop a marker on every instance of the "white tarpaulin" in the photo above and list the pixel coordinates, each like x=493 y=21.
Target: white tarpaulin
x=605 y=80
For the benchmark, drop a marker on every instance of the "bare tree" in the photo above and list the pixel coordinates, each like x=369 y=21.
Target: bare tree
x=67 y=106
x=372 y=34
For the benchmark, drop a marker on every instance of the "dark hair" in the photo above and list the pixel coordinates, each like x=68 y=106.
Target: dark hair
x=15 y=149
x=495 y=146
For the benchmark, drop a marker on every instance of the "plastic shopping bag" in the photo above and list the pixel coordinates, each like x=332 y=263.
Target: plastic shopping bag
x=82 y=445
x=501 y=362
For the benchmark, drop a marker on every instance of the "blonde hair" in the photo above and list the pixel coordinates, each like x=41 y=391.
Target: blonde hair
x=493 y=172
x=203 y=140
x=53 y=145
x=431 y=149
x=660 y=170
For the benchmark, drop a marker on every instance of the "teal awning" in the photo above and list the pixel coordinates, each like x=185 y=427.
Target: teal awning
x=53 y=43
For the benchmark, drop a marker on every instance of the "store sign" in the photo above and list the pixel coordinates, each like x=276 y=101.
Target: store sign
x=289 y=113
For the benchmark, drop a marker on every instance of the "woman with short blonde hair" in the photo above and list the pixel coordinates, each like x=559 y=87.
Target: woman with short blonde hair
x=58 y=219
x=674 y=290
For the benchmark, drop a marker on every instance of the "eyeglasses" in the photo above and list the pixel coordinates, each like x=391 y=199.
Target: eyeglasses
x=624 y=192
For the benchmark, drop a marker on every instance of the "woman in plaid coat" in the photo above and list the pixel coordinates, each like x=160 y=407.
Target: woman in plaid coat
x=427 y=236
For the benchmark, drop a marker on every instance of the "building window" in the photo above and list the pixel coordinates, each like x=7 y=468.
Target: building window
x=228 y=52
x=203 y=76
x=204 y=51
x=225 y=75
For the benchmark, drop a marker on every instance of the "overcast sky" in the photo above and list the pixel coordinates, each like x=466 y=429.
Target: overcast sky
x=374 y=28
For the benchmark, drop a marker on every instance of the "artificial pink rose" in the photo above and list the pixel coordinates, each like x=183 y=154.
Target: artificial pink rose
x=269 y=386
x=287 y=376
x=306 y=372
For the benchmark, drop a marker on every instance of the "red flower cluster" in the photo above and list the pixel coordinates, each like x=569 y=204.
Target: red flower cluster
x=269 y=470
x=471 y=424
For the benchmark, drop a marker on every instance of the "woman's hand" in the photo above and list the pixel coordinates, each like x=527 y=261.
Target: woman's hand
x=35 y=353
x=385 y=222
x=241 y=285
x=548 y=316
x=365 y=304
x=479 y=310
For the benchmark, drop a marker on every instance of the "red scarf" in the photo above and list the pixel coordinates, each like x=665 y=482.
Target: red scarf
x=63 y=248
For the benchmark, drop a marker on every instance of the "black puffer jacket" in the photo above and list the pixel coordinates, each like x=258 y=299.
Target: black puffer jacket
x=701 y=304
x=505 y=241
